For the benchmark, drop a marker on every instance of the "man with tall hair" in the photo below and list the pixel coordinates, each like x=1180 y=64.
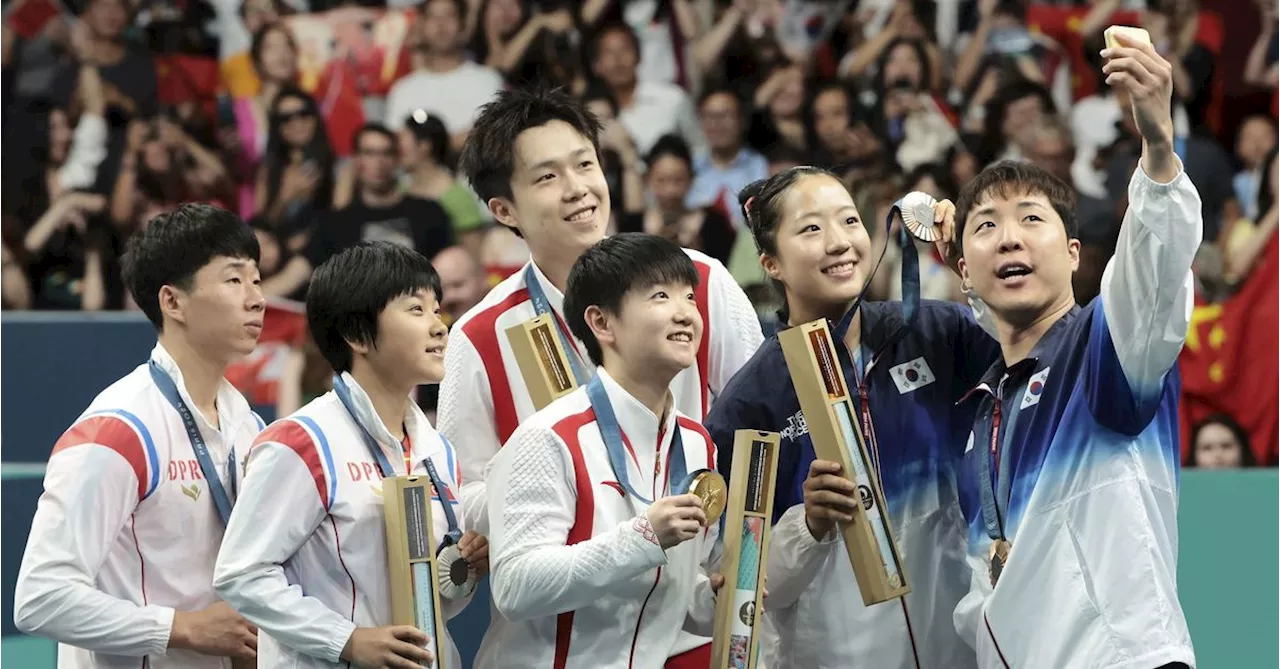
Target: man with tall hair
x=119 y=562
x=305 y=556
x=533 y=158
x=1070 y=481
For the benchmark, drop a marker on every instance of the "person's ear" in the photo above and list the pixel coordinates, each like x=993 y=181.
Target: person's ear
x=504 y=212
x=1073 y=250
x=771 y=266
x=601 y=326
x=173 y=304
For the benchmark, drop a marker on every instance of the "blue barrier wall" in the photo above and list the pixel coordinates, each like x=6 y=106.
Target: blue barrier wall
x=54 y=365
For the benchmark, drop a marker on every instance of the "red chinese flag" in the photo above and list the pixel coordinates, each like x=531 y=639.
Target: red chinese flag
x=1231 y=356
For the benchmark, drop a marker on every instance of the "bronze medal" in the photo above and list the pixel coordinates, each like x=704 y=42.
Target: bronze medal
x=711 y=488
x=999 y=556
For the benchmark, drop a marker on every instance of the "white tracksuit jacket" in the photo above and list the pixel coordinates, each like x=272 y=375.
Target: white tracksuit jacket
x=578 y=575
x=126 y=532
x=305 y=555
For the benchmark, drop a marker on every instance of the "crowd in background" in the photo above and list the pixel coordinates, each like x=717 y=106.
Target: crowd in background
x=327 y=122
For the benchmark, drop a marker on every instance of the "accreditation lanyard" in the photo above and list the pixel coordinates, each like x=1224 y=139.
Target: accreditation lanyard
x=612 y=435
x=384 y=464
x=543 y=307
x=170 y=391
x=993 y=478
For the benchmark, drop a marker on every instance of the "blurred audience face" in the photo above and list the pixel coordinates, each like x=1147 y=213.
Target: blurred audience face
x=1050 y=147
x=722 y=122
x=927 y=184
x=904 y=64
x=789 y=100
x=259 y=13
x=441 y=26
x=601 y=108
x=461 y=281
x=1017 y=255
x=278 y=61
x=822 y=244
x=1217 y=448
x=1021 y=117
x=1257 y=138
x=669 y=180
x=156 y=156
x=831 y=119
x=964 y=167
x=59 y=137
x=376 y=157
x=502 y=17
x=269 y=252
x=560 y=199
x=413 y=151
x=107 y=19
x=297 y=120
x=616 y=60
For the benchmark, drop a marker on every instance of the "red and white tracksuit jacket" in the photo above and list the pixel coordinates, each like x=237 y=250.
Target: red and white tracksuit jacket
x=305 y=555
x=483 y=397
x=578 y=575
x=126 y=532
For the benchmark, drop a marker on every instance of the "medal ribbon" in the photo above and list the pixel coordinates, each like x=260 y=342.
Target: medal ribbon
x=612 y=435
x=543 y=307
x=994 y=480
x=910 y=283
x=384 y=464
x=170 y=391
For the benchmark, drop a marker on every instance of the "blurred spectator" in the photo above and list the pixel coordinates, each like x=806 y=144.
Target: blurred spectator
x=1002 y=39
x=1254 y=140
x=295 y=181
x=1173 y=25
x=1014 y=110
x=1248 y=238
x=164 y=166
x=647 y=109
x=1219 y=442
x=618 y=156
x=663 y=31
x=379 y=210
x=904 y=114
x=462 y=281
x=528 y=46
x=238 y=24
x=669 y=176
x=1261 y=69
x=843 y=138
x=728 y=165
x=443 y=81
x=274 y=58
x=428 y=162
x=128 y=73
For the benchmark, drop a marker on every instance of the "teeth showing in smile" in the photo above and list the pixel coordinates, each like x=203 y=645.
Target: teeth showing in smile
x=842 y=268
x=582 y=216
x=681 y=336
x=1012 y=270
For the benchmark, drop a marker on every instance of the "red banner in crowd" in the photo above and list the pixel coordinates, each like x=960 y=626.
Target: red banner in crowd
x=257 y=375
x=1229 y=362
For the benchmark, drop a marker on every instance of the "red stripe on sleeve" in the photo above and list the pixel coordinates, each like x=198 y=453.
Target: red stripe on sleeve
x=114 y=433
x=704 y=348
x=293 y=435
x=583 y=517
x=482 y=332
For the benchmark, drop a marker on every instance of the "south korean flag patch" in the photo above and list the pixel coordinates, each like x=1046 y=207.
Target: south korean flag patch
x=1035 y=389
x=911 y=375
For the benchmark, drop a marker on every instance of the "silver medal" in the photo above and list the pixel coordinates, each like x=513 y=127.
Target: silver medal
x=917 y=214
x=457 y=578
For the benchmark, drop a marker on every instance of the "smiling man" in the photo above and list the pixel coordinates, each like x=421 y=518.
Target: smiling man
x=533 y=158
x=1070 y=481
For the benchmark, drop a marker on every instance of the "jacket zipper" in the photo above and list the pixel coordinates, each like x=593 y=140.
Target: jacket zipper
x=640 y=618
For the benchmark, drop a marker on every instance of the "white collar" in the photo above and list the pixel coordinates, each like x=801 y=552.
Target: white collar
x=554 y=296
x=422 y=436
x=231 y=405
x=635 y=419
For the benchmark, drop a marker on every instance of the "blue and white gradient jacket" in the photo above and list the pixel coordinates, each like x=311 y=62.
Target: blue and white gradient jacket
x=815 y=616
x=1087 y=435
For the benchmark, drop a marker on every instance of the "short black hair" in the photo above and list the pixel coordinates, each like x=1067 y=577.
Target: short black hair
x=175 y=245
x=488 y=158
x=429 y=128
x=615 y=266
x=722 y=89
x=670 y=145
x=1008 y=178
x=373 y=129
x=350 y=289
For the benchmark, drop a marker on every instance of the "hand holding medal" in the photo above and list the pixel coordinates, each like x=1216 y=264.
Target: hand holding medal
x=930 y=220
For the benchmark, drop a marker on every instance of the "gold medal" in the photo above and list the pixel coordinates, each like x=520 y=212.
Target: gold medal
x=711 y=488
x=917 y=214
x=999 y=556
